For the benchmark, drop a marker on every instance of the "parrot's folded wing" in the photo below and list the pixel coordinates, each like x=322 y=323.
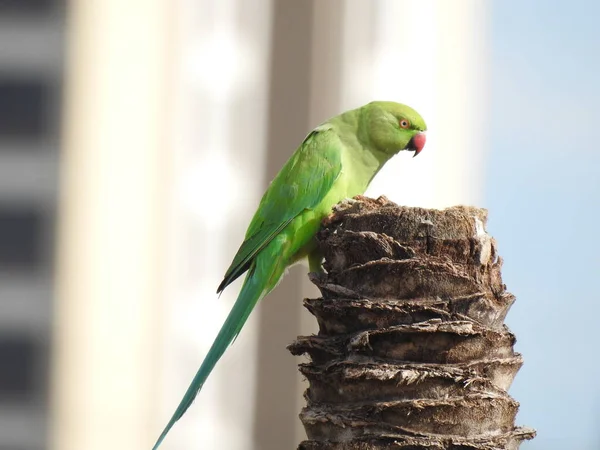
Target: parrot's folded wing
x=301 y=184
x=250 y=247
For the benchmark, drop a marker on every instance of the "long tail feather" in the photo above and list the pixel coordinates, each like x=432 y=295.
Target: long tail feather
x=256 y=285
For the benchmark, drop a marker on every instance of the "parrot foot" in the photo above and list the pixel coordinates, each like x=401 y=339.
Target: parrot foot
x=344 y=204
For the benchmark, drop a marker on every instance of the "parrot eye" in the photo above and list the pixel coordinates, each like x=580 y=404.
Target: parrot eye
x=404 y=123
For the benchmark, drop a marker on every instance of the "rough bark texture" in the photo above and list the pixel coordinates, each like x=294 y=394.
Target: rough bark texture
x=412 y=352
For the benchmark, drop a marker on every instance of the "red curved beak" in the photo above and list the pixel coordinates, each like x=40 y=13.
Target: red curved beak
x=417 y=143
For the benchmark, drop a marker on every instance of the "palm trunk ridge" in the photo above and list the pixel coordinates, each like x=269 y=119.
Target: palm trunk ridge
x=412 y=351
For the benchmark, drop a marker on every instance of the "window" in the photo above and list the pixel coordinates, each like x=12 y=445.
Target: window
x=26 y=6
x=18 y=367
x=20 y=239
x=23 y=108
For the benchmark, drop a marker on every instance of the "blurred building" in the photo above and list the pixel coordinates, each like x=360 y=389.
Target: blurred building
x=176 y=116
x=31 y=67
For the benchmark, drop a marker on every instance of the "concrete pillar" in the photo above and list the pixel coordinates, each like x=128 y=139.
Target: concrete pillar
x=110 y=251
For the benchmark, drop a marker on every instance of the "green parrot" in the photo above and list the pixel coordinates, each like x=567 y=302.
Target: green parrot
x=336 y=161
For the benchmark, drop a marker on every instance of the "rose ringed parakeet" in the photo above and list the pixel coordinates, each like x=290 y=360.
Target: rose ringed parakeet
x=336 y=161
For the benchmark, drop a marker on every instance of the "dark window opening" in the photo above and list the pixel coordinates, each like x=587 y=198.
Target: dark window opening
x=17 y=367
x=20 y=239
x=23 y=108
x=27 y=6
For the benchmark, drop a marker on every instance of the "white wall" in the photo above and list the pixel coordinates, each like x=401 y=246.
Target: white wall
x=107 y=326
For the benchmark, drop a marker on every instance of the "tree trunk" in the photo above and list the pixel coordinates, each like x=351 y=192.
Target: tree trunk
x=412 y=352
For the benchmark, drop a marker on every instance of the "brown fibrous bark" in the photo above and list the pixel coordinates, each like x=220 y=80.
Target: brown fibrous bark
x=412 y=351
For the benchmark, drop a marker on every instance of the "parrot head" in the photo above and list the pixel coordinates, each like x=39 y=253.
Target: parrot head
x=392 y=127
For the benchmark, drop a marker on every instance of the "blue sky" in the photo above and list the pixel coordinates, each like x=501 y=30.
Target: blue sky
x=543 y=192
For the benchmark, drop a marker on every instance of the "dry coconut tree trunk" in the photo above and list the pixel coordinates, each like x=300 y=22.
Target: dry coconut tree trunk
x=412 y=352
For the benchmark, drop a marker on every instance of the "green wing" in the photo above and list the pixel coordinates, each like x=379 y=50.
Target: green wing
x=301 y=184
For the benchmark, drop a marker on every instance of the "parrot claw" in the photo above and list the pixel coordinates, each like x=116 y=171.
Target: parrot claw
x=344 y=204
